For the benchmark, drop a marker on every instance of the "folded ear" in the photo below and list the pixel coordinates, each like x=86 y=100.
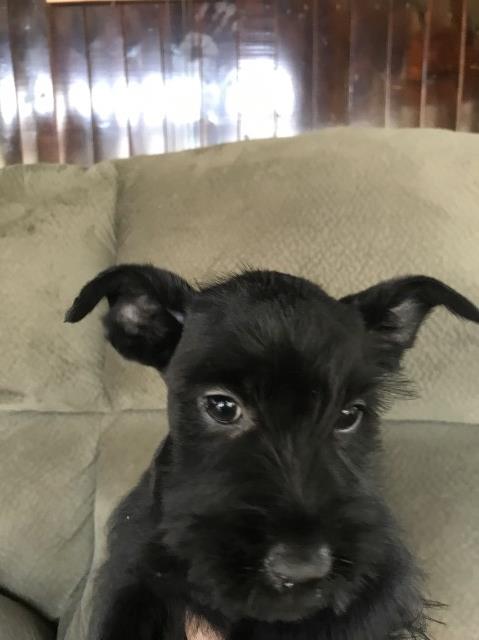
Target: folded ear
x=147 y=310
x=395 y=309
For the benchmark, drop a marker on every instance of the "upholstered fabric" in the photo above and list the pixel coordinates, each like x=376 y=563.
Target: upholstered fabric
x=55 y=232
x=18 y=622
x=47 y=490
x=345 y=208
x=431 y=478
x=124 y=452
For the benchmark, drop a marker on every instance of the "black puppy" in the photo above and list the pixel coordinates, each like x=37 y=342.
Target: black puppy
x=260 y=514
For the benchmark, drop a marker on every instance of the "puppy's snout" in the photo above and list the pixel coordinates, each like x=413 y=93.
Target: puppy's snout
x=287 y=566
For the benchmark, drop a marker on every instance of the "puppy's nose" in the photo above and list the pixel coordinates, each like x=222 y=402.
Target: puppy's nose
x=288 y=565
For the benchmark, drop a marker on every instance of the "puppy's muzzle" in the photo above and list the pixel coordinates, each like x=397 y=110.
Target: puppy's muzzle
x=287 y=566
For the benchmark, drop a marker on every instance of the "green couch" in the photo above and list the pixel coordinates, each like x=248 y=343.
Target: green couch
x=343 y=207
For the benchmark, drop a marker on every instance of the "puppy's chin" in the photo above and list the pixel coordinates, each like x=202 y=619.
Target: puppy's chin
x=290 y=606
x=266 y=607
x=265 y=604
x=285 y=609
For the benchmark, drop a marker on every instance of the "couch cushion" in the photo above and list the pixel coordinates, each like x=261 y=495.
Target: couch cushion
x=432 y=481
x=345 y=208
x=17 y=622
x=55 y=233
x=431 y=476
x=125 y=451
x=47 y=490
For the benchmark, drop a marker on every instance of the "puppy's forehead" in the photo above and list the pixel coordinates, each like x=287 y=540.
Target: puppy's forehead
x=270 y=320
x=275 y=305
x=265 y=285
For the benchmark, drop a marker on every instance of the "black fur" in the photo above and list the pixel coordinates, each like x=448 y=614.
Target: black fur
x=194 y=538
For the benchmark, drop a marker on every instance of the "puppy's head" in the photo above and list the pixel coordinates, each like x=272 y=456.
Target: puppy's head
x=274 y=394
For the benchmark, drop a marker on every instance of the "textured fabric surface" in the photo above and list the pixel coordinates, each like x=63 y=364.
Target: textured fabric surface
x=55 y=233
x=432 y=482
x=431 y=476
x=19 y=623
x=125 y=451
x=345 y=208
x=47 y=487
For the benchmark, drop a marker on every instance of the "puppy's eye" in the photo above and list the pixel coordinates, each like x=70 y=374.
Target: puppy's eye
x=222 y=409
x=350 y=418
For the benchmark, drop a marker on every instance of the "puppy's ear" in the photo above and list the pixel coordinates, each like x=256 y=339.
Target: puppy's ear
x=395 y=309
x=147 y=310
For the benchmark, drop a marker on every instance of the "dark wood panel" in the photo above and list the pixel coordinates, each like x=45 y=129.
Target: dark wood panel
x=28 y=29
x=331 y=61
x=443 y=64
x=84 y=83
x=109 y=95
x=468 y=99
x=10 y=142
x=407 y=26
x=295 y=45
x=146 y=86
x=368 y=61
x=167 y=71
x=72 y=85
